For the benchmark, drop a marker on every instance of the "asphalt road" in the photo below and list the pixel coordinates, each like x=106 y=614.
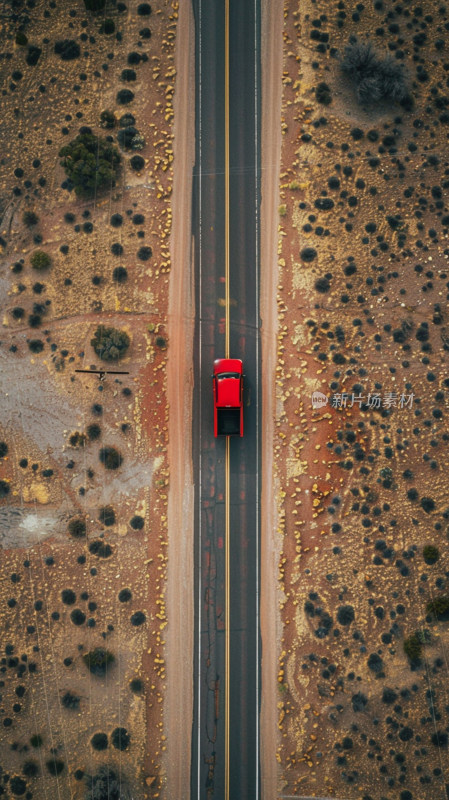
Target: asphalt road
x=209 y=728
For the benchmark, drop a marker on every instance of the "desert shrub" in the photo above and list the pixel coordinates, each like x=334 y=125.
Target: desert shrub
x=107 y=26
x=406 y=733
x=110 y=344
x=67 y=49
x=106 y=515
x=358 y=701
x=54 y=766
x=17 y=785
x=389 y=696
x=137 y=163
x=93 y=431
x=104 y=785
x=127 y=120
x=21 y=39
x=77 y=527
x=138 y=143
x=323 y=94
x=136 y=685
x=95 y=5
x=430 y=553
x=128 y=75
x=36 y=345
x=120 y=738
x=308 y=253
x=345 y=615
x=107 y=119
x=77 y=439
x=322 y=285
x=30 y=769
x=427 y=504
x=120 y=274
x=145 y=33
x=137 y=522
x=98 y=660
x=124 y=595
x=3 y=449
x=116 y=249
x=110 y=457
x=376 y=77
x=439 y=606
x=440 y=739
x=124 y=96
x=68 y=597
x=144 y=9
x=4 y=488
x=144 y=253
x=99 y=741
x=36 y=740
x=282 y=210
x=101 y=549
x=91 y=163
x=161 y=342
x=78 y=617
x=138 y=618
x=70 y=700
x=413 y=647
x=375 y=663
x=116 y=220
x=33 y=55
x=40 y=260
x=30 y=218
x=126 y=135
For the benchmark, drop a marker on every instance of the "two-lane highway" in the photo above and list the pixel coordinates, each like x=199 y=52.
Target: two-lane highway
x=225 y=750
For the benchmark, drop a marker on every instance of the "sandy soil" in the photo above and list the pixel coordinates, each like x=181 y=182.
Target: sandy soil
x=361 y=307
x=178 y=706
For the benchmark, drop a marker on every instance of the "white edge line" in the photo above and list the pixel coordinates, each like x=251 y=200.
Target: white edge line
x=256 y=122
x=200 y=373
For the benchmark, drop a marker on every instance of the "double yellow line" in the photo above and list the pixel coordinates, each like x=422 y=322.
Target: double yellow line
x=227 y=454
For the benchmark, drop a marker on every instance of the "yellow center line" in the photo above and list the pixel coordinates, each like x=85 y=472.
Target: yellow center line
x=227 y=469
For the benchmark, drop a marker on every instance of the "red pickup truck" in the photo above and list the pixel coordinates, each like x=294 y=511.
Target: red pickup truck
x=228 y=397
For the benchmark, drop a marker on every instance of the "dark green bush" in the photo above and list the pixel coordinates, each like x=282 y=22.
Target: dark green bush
x=345 y=615
x=98 y=660
x=91 y=163
x=95 y=5
x=137 y=522
x=93 y=432
x=144 y=9
x=110 y=457
x=107 y=119
x=430 y=553
x=125 y=96
x=17 y=785
x=77 y=527
x=124 y=595
x=128 y=75
x=68 y=49
x=33 y=55
x=120 y=274
x=36 y=740
x=4 y=488
x=105 y=785
x=375 y=77
x=110 y=344
x=126 y=135
x=106 y=515
x=144 y=253
x=161 y=342
x=120 y=738
x=78 y=617
x=323 y=94
x=54 y=766
x=439 y=606
x=413 y=647
x=30 y=769
x=99 y=741
x=36 y=345
x=30 y=218
x=137 y=163
x=100 y=549
x=136 y=685
x=3 y=449
x=21 y=39
x=40 y=260
x=68 y=597
x=107 y=26
x=70 y=700
x=138 y=618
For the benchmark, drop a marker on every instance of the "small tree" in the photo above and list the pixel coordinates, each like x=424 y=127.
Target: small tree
x=110 y=344
x=110 y=457
x=107 y=119
x=30 y=218
x=77 y=527
x=430 y=553
x=376 y=78
x=70 y=700
x=40 y=260
x=413 y=647
x=439 y=606
x=91 y=163
x=98 y=660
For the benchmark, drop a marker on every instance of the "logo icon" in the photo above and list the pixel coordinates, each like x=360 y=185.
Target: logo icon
x=319 y=400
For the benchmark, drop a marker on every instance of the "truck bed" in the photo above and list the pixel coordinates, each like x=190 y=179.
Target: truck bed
x=228 y=421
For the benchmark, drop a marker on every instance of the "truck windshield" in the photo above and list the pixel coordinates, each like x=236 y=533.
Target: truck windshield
x=228 y=375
